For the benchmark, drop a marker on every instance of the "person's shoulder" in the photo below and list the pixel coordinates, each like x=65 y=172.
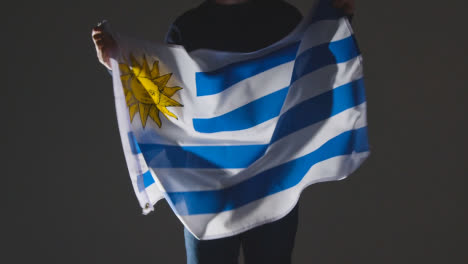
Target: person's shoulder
x=190 y=16
x=186 y=20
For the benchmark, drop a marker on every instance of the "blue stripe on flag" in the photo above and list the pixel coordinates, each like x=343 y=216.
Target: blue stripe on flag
x=247 y=116
x=302 y=115
x=133 y=143
x=167 y=156
x=323 y=55
x=144 y=180
x=147 y=179
x=319 y=108
x=269 y=106
x=268 y=182
x=214 y=82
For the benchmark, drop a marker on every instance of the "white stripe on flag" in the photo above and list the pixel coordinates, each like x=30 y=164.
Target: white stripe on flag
x=325 y=31
x=286 y=149
x=321 y=80
x=193 y=179
x=272 y=207
x=244 y=92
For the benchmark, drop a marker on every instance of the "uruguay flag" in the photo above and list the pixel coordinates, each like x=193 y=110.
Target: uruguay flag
x=231 y=139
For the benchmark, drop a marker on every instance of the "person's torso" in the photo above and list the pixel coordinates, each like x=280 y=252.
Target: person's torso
x=242 y=27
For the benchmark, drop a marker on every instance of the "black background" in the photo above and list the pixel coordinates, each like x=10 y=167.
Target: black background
x=69 y=198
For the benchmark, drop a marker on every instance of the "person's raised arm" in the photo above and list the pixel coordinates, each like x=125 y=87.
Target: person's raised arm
x=105 y=45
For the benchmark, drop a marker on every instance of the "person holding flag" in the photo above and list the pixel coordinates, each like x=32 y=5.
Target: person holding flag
x=235 y=26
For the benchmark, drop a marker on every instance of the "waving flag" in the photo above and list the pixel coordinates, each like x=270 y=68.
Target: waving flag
x=231 y=139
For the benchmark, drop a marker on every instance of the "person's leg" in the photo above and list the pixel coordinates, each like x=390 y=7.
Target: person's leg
x=271 y=243
x=224 y=250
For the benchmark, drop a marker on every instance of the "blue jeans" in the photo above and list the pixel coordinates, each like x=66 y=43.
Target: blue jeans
x=270 y=243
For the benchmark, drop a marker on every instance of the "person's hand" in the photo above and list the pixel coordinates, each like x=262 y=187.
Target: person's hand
x=105 y=45
x=346 y=5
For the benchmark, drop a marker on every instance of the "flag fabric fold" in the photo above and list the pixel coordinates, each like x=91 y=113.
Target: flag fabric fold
x=231 y=139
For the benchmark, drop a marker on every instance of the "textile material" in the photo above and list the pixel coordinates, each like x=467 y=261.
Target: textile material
x=231 y=139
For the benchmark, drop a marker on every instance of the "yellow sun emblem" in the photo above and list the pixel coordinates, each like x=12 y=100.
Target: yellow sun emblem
x=146 y=91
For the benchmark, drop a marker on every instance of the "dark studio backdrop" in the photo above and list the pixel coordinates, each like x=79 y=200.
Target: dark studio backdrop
x=69 y=198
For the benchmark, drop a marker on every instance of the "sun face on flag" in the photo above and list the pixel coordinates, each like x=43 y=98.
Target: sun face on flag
x=146 y=91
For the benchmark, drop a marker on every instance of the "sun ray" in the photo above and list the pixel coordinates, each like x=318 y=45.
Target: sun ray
x=166 y=101
x=166 y=112
x=170 y=91
x=130 y=99
x=133 y=109
x=162 y=80
x=136 y=69
x=154 y=114
x=155 y=69
x=145 y=71
x=126 y=91
x=144 y=113
x=125 y=72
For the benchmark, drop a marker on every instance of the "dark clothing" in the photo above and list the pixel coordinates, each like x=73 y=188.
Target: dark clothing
x=242 y=27
x=270 y=243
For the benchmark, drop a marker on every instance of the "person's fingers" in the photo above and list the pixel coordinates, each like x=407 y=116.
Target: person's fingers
x=104 y=43
x=98 y=28
x=107 y=43
x=98 y=36
x=100 y=43
x=104 y=38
